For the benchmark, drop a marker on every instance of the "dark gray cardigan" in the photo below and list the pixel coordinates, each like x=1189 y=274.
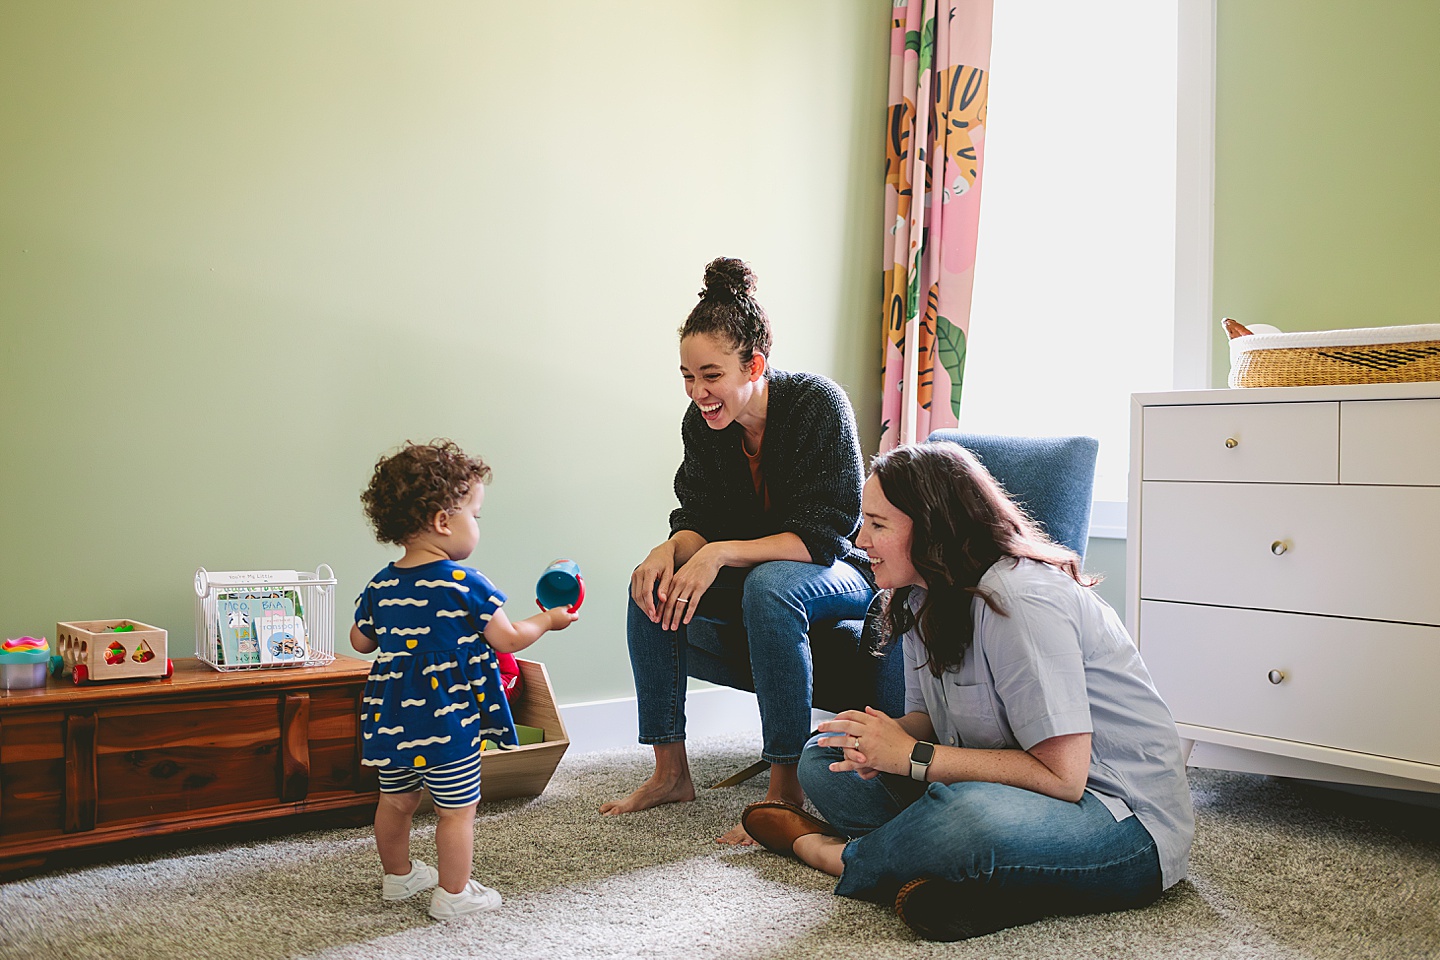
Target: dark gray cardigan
x=810 y=462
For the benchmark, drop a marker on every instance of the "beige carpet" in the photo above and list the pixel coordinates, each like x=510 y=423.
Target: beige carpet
x=1280 y=870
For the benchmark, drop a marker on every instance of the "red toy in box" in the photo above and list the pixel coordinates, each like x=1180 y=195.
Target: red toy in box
x=509 y=676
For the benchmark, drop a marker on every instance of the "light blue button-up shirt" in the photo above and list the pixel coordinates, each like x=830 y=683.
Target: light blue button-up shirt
x=1062 y=663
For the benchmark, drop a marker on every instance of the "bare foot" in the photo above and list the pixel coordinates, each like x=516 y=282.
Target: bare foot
x=784 y=786
x=652 y=793
x=736 y=837
x=821 y=852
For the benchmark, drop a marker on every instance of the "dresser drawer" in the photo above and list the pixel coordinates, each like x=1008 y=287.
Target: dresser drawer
x=1254 y=442
x=1390 y=441
x=1347 y=551
x=1355 y=685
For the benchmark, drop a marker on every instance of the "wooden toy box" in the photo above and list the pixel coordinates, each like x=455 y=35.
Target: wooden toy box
x=95 y=650
x=525 y=771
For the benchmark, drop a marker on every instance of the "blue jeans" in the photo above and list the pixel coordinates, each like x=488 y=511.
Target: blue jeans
x=778 y=602
x=1013 y=853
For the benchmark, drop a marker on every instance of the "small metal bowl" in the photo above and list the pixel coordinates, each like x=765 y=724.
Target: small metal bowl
x=23 y=676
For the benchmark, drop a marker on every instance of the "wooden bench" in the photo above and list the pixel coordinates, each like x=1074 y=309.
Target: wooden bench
x=100 y=763
x=103 y=764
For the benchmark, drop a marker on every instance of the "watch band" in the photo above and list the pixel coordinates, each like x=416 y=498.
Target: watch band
x=920 y=757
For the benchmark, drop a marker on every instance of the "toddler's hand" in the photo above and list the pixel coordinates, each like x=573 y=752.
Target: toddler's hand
x=560 y=617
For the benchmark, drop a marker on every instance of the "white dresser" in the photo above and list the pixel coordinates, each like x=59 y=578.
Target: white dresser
x=1283 y=576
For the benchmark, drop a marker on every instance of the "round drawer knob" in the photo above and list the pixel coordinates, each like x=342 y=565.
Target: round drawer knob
x=1231 y=443
x=1279 y=547
x=1276 y=676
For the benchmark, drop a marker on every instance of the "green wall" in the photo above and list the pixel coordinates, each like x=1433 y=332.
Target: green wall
x=1106 y=557
x=1327 y=200
x=246 y=248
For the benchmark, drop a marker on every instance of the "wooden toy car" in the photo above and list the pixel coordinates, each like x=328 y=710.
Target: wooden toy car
x=112 y=650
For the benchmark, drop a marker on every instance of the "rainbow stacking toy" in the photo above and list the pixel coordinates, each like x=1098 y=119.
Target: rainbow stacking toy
x=24 y=662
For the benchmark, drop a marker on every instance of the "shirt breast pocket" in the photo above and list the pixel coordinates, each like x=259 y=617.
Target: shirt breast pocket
x=972 y=709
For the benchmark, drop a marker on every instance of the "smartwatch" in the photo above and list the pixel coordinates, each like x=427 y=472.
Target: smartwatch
x=920 y=758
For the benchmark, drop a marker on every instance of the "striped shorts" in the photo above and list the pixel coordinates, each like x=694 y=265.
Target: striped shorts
x=454 y=784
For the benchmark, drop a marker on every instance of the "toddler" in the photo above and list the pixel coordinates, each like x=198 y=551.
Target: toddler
x=434 y=693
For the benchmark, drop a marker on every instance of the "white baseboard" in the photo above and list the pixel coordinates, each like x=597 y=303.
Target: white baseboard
x=611 y=724
x=710 y=711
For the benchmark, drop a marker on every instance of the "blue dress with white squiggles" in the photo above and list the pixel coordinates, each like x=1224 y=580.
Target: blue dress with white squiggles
x=434 y=692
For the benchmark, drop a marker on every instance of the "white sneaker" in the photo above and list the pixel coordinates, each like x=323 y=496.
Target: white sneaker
x=475 y=898
x=419 y=878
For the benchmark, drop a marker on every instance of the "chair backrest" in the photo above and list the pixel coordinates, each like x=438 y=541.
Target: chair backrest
x=1053 y=478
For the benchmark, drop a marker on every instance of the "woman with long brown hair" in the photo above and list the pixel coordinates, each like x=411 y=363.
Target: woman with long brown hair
x=1035 y=771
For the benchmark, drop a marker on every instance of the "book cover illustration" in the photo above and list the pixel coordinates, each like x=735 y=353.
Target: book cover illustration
x=243 y=619
x=281 y=636
x=237 y=631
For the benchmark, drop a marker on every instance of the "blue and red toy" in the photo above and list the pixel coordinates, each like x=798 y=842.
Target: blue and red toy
x=561 y=585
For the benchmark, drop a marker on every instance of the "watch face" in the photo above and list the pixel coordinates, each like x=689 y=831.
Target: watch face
x=923 y=752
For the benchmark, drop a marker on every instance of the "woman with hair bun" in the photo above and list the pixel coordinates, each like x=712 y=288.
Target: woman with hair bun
x=1035 y=771
x=769 y=493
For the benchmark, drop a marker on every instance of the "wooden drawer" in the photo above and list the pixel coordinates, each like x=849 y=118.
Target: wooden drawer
x=164 y=760
x=1355 y=685
x=1348 y=551
x=1249 y=442
x=1390 y=441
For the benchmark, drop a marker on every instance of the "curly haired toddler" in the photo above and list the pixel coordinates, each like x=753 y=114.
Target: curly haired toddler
x=434 y=693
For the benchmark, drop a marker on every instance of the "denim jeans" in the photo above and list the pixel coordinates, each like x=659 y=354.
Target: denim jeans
x=778 y=602
x=1013 y=853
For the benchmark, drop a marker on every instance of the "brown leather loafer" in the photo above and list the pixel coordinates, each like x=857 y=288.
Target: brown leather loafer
x=934 y=910
x=946 y=911
x=776 y=825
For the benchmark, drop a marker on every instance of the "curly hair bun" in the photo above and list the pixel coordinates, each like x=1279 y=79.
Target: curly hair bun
x=728 y=278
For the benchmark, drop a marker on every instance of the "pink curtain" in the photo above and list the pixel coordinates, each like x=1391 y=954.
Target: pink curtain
x=940 y=61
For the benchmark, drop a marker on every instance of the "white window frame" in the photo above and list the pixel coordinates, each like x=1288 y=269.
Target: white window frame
x=1194 y=222
x=1195 y=195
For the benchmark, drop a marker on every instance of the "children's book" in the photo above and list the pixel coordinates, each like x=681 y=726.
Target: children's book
x=237 y=630
x=281 y=636
x=243 y=616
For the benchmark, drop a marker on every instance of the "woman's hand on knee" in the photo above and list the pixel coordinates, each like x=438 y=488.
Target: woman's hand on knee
x=852 y=761
x=688 y=586
x=653 y=577
x=873 y=741
x=861 y=770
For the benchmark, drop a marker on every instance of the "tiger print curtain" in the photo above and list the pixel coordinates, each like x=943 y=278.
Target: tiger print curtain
x=940 y=60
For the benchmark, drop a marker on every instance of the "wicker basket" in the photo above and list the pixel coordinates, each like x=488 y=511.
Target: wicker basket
x=1373 y=355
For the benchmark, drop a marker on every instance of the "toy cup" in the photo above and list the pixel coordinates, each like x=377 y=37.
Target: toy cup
x=561 y=586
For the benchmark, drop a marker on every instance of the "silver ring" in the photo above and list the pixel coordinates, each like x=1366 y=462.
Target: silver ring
x=682 y=599
x=855 y=743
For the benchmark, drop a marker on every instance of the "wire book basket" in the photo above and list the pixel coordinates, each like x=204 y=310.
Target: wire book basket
x=263 y=619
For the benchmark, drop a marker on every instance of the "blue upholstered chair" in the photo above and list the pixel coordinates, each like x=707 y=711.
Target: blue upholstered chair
x=1051 y=477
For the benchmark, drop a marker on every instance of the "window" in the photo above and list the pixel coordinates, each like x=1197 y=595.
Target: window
x=1074 y=302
